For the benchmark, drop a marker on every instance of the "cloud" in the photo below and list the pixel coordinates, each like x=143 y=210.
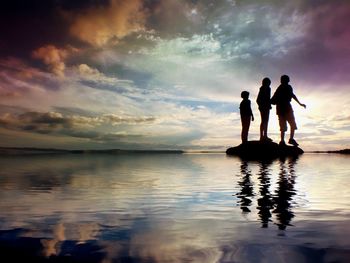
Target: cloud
x=201 y=45
x=100 y=25
x=302 y=39
x=95 y=79
x=326 y=51
x=115 y=119
x=74 y=126
x=53 y=57
x=184 y=55
x=18 y=79
x=190 y=68
x=175 y=17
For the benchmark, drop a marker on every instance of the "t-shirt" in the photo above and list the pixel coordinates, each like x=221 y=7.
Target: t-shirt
x=263 y=99
x=282 y=98
x=245 y=109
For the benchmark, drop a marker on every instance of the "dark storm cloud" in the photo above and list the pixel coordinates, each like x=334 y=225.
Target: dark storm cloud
x=36 y=122
x=26 y=25
x=74 y=126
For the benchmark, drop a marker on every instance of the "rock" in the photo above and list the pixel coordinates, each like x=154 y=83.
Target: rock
x=259 y=150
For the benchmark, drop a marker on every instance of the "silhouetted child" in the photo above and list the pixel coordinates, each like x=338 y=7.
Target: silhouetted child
x=282 y=98
x=246 y=115
x=264 y=103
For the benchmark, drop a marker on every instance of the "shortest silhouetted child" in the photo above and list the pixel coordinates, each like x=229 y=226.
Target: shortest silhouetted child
x=246 y=115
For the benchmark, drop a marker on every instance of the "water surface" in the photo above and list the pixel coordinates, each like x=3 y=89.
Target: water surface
x=174 y=208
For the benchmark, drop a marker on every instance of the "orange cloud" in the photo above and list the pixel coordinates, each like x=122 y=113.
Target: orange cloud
x=53 y=57
x=98 y=26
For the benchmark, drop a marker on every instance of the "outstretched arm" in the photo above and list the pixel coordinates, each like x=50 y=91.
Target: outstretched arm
x=296 y=99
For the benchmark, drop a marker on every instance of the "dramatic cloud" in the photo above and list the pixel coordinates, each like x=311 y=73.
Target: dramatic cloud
x=100 y=25
x=53 y=57
x=168 y=74
x=75 y=126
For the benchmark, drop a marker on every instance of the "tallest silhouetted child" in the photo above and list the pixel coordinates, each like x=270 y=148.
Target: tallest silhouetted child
x=282 y=98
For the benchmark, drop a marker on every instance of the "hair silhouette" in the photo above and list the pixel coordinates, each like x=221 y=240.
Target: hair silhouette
x=284 y=79
x=266 y=82
x=245 y=94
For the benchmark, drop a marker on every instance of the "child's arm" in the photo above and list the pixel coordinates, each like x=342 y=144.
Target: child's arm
x=251 y=112
x=296 y=99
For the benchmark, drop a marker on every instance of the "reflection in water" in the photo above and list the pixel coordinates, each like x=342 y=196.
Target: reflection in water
x=173 y=208
x=280 y=202
x=284 y=193
x=246 y=188
x=53 y=246
x=265 y=201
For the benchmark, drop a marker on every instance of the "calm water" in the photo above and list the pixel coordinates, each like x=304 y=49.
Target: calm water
x=174 y=208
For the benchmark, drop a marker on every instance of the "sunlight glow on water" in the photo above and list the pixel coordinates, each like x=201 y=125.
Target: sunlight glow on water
x=175 y=208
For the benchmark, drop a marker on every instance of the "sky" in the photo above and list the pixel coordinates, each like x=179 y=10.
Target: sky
x=167 y=74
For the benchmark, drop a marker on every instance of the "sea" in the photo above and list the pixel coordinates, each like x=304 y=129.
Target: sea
x=171 y=207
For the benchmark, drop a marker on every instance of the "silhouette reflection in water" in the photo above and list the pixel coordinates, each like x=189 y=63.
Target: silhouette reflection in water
x=246 y=192
x=284 y=193
x=278 y=203
x=265 y=202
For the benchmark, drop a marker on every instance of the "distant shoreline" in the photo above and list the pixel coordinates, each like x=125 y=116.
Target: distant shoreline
x=344 y=151
x=34 y=151
x=38 y=151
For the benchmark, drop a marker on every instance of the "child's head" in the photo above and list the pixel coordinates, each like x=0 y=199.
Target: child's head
x=266 y=82
x=284 y=79
x=245 y=94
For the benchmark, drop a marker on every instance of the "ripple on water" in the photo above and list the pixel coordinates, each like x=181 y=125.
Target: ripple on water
x=176 y=208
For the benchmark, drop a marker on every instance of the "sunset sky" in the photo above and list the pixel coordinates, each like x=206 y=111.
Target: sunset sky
x=167 y=74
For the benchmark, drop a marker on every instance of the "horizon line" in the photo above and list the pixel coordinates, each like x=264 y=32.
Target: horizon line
x=115 y=150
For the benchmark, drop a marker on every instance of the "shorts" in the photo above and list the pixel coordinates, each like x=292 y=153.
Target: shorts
x=287 y=117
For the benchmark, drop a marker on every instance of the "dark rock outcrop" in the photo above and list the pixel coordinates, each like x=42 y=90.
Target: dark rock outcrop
x=259 y=150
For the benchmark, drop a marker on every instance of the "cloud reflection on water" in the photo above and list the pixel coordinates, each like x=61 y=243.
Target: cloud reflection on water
x=172 y=208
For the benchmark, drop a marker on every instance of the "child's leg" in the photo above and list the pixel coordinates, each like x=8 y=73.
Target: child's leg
x=245 y=129
x=282 y=136
x=266 y=123
x=283 y=126
x=292 y=130
x=262 y=125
